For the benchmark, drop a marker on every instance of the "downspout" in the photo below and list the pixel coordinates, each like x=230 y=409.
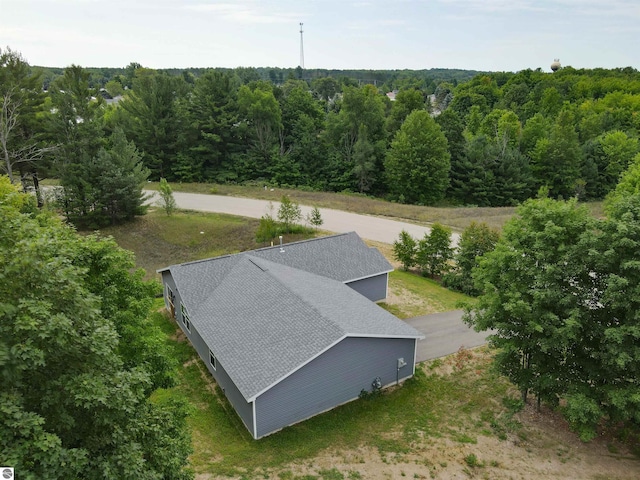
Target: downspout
x=255 y=421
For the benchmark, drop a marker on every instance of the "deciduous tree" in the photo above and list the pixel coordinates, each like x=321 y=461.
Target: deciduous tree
x=289 y=213
x=435 y=251
x=536 y=286
x=476 y=240
x=167 y=200
x=418 y=162
x=78 y=359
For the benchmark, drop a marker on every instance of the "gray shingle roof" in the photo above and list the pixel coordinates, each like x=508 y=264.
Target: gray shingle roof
x=266 y=320
x=342 y=257
x=265 y=313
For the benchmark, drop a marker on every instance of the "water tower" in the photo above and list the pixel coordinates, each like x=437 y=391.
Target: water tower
x=555 y=66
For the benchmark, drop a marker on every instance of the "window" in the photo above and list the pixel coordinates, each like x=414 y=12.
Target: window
x=171 y=298
x=185 y=318
x=212 y=359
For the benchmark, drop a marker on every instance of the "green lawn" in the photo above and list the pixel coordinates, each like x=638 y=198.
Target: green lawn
x=412 y=295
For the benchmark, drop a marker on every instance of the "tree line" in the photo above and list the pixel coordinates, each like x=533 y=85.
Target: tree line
x=491 y=141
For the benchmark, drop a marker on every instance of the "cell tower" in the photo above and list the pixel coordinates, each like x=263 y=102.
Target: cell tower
x=301 y=48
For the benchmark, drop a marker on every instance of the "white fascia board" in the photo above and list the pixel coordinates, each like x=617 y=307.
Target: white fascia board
x=368 y=276
x=381 y=335
x=253 y=398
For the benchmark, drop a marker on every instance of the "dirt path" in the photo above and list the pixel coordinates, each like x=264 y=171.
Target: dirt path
x=369 y=227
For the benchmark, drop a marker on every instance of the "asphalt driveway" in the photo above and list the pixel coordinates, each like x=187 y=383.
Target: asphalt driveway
x=444 y=334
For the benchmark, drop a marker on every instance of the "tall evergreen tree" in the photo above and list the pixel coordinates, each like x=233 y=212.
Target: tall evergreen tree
x=77 y=127
x=152 y=121
x=491 y=174
x=22 y=150
x=210 y=138
x=106 y=188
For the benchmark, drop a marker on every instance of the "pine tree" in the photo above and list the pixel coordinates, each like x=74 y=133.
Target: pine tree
x=167 y=201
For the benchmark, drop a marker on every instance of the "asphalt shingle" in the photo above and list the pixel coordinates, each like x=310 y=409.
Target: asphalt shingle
x=265 y=313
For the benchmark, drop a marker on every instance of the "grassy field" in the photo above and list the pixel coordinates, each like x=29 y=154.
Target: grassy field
x=411 y=295
x=159 y=240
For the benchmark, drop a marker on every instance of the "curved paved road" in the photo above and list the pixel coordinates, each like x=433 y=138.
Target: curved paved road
x=369 y=227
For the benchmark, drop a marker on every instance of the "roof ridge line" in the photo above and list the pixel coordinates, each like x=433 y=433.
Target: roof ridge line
x=296 y=294
x=306 y=240
x=248 y=252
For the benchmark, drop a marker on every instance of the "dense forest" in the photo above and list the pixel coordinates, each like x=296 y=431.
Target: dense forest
x=424 y=137
x=387 y=80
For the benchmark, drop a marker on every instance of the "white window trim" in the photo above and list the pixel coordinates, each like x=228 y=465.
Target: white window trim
x=213 y=361
x=185 y=317
x=169 y=295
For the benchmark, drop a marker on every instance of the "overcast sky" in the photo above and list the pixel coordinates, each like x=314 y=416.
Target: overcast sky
x=497 y=35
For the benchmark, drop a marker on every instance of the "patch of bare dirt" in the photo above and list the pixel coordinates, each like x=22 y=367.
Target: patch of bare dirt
x=549 y=452
x=544 y=447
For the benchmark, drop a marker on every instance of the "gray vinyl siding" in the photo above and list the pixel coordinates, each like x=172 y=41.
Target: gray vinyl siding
x=374 y=288
x=242 y=407
x=335 y=377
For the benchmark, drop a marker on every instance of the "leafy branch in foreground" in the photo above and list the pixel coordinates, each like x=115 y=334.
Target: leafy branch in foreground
x=79 y=357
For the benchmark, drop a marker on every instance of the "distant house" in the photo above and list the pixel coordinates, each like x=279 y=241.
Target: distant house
x=290 y=332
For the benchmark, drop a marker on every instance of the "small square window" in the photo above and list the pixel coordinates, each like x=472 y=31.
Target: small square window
x=212 y=360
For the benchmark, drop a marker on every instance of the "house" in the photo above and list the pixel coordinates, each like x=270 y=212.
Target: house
x=291 y=331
